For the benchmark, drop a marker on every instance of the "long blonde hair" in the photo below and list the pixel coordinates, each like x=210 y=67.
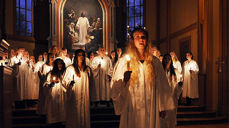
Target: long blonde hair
x=134 y=63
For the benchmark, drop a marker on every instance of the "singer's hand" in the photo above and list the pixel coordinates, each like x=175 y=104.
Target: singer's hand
x=109 y=77
x=72 y=82
x=180 y=84
x=127 y=75
x=52 y=84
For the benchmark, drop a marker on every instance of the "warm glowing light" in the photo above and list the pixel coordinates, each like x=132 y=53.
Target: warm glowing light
x=128 y=62
x=127 y=57
x=100 y=60
x=54 y=78
x=106 y=53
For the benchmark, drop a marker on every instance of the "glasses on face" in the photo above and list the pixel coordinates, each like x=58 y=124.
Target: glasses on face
x=140 y=37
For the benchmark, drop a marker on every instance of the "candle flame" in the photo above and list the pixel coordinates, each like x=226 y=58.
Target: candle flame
x=127 y=57
x=106 y=53
x=54 y=78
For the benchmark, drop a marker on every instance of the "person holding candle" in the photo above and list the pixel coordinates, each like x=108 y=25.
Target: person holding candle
x=141 y=95
x=190 y=74
x=33 y=80
x=102 y=72
x=56 y=96
x=77 y=80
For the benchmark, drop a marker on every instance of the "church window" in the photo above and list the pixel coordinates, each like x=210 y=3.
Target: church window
x=24 y=18
x=134 y=14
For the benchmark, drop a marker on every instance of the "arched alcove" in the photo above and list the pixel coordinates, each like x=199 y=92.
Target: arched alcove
x=100 y=36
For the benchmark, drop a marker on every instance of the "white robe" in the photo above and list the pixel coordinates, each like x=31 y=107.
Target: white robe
x=33 y=82
x=83 y=26
x=170 y=120
x=13 y=60
x=190 y=85
x=56 y=102
x=43 y=91
x=101 y=89
x=178 y=70
x=22 y=79
x=139 y=105
x=67 y=61
x=78 y=100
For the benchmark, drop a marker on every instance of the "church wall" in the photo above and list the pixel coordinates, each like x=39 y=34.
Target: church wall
x=163 y=19
x=29 y=43
x=177 y=41
x=214 y=53
x=182 y=14
x=178 y=19
x=151 y=18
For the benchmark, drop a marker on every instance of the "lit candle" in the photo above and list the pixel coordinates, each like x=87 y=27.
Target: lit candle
x=128 y=62
x=106 y=53
x=54 y=78
x=128 y=26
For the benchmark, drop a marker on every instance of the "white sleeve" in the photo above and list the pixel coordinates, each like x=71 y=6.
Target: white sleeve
x=119 y=91
x=163 y=89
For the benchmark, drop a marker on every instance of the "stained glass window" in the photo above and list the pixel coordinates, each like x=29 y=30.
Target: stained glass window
x=24 y=17
x=134 y=14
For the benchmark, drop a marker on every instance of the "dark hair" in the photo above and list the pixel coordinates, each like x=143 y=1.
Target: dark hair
x=48 y=56
x=63 y=48
x=190 y=54
x=165 y=61
x=75 y=63
x=89 y=54
x=42 y=57
x=139 y=29
x=83 y=14
x=55 y=71
x=116 y=56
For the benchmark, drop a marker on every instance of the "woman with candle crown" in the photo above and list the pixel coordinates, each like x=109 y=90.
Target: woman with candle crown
x=77 y=80
x=140 y=95
x=56 y=96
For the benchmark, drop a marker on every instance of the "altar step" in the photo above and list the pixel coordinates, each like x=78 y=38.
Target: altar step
x=24 y=116
x=190 y=115
x=104 y=117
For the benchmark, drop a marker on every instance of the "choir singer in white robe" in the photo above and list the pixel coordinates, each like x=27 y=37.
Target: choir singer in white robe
x=43 y=91
x=190 y=73
x=102 y=72
x=56 y=96
x=77 y=79
x=171 y=74
x=139 y=87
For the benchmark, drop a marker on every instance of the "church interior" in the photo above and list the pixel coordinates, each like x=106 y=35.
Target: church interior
x=180 y=26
